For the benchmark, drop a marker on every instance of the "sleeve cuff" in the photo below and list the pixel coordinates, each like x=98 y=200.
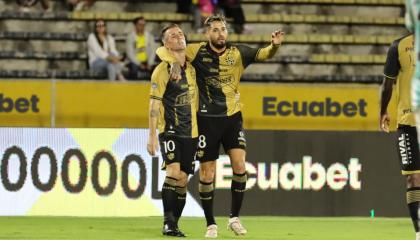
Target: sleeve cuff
x=390 y=76
x=155 y=97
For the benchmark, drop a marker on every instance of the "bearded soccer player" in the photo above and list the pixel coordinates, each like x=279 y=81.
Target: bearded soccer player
x=173 y=107
x=219 y=66
x=399 y=68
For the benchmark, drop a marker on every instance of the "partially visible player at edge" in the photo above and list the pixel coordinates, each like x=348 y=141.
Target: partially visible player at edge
x=399 y=68
x=219 y=66
x=173 y=106
x=413 y=24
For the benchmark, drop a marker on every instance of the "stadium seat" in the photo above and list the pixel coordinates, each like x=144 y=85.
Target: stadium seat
x=331 y=59
x=23 y=74
x=315 y=36
x=252 y=38
x=330 y=2
x=43 y=55
x=175 y=17
x=316 y=2
x=84 y=74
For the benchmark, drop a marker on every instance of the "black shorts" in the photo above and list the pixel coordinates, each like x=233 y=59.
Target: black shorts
x=180 y=150
x=219 y=130
x=408 y=149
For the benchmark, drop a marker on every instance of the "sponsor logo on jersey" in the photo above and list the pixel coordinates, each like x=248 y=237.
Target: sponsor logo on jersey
x=404 y=148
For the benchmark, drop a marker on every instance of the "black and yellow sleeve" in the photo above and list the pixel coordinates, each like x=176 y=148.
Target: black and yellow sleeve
x=160 y=78
x=191 y=51
x=392 y=64
x=250 y=55
x=267 y=52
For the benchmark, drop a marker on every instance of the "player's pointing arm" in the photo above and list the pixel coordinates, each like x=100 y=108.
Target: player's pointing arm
x=269 y=51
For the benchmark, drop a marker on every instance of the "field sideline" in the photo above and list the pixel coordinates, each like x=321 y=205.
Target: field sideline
x=282 y=228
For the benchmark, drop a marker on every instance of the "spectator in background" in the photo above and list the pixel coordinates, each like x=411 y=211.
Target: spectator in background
x=184 y=6
x=140 y=49
x=206 y=8
x=200 y=9
x=103 y=56
x=26 y=4
x=203 y=10
x=233 y=9
x=79 y=5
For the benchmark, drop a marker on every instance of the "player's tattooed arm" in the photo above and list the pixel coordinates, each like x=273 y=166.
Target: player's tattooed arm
x=268 y=52
x=175 y=72
x=165 y=55
x=152 y=144
x=154 y=113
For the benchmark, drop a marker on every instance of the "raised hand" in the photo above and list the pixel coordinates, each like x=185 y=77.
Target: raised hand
x=277 y=37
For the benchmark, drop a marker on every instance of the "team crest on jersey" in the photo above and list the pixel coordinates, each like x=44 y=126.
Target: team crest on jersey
x=171 y=156
x=200 y=153
x=230 y=60
x=154 y=85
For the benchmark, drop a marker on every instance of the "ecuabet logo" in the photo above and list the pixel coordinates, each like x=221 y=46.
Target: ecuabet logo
x=306 y=175
x=327 y=108
x=21 y=105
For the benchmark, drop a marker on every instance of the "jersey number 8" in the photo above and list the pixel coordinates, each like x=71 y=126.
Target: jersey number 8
x=202 y=141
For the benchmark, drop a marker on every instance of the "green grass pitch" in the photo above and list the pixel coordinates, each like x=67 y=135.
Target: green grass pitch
x=281 y=228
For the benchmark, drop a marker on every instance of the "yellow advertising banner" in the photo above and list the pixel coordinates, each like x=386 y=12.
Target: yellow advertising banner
x=102 y=104
x=25 y=103
x=121 y=105
x=313 y=106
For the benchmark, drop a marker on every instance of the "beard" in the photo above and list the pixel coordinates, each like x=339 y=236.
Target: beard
x=218 y=45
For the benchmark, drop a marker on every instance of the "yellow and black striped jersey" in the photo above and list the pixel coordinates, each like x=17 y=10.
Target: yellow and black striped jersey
x=178 y=112
x=400 y=65
x=218 y=75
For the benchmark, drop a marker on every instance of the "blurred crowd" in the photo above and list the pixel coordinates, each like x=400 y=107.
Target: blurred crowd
x=139 y=57
x=201 y=9
x=72 y=5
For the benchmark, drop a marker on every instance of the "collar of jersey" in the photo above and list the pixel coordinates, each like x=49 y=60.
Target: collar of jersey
x=228 y=45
